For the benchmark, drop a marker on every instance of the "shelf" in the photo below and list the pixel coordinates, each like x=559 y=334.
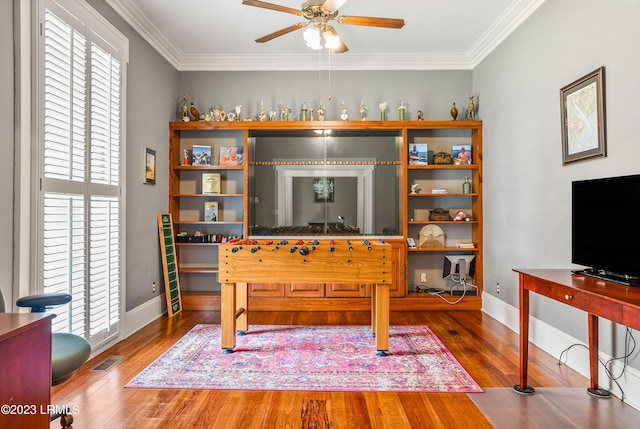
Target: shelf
x=190 y=222
x=207 y=195
x=199 y=270
x=197 y=244
x=322 y=125
x=448 y=194
x=443 y=222
x=206 y=167
x=443 y=167
x=442 y=249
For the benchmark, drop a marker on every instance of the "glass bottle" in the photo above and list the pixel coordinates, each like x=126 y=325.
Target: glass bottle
x=466 y=186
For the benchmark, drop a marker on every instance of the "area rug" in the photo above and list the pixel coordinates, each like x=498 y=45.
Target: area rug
x=320 y=358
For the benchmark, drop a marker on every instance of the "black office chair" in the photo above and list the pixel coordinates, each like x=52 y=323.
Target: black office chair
x=68 y=351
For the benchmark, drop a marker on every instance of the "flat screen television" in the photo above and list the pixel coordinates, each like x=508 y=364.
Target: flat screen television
x=605 y=234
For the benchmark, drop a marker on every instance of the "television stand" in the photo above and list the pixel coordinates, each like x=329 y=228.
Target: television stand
x=609 y=276
x=610 y=300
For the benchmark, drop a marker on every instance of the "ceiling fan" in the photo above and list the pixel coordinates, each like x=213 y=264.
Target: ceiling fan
x=319 y=33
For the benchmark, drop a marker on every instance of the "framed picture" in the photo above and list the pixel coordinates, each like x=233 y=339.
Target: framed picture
x=201 y=155
x=210 y=211
x=210 y=183
x=231 y=156
x=149 y=166
x=461 y=154
x=323 y=189
x=583 y=118
x=419 y=154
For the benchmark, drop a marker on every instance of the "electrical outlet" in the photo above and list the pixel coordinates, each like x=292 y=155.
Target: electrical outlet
x=153 y=287
x=423 y=277
x=497 y=287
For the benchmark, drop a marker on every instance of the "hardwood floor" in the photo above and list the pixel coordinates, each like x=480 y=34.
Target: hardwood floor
x=484 y=347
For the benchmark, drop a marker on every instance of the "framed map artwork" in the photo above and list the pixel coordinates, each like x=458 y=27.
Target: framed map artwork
x=583 y=118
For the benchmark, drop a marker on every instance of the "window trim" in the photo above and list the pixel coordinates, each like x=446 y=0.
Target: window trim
x=29 y=196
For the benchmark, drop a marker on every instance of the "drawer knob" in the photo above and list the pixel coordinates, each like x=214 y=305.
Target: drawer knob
x=568 y=297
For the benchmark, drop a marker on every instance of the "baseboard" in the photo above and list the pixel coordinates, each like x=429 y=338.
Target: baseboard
x=554 y=341
x=134 y=320
x=142 y=315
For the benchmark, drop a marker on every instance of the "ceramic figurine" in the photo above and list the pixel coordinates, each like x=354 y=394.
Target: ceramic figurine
x=343 y=111
x=216 y=111
x=284 y=112
x=454 y=111
x=363 y=110
x=261 y=114
x=185 y=108
x=470 y=113
x=321 y=111
x=194 y=112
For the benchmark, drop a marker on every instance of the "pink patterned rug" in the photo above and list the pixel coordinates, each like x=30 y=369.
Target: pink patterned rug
x=320 y=358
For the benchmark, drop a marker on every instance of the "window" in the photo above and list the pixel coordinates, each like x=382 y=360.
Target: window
x=81 y=67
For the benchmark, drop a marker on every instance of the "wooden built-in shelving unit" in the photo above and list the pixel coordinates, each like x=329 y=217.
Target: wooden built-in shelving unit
x=198 y=261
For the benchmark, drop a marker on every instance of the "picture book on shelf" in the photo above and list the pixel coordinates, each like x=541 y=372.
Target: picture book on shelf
x=210 y=183
x=201 y=155
x=231 y=156
x=210 y=211
x=419 y=154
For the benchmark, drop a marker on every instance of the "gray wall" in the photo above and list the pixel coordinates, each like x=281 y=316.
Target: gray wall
x=6 y=146
x=431 y=91
x=527 y=190
x=527 y=212
x=151 y=89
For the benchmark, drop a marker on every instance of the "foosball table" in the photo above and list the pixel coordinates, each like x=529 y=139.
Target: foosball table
x=304 y=261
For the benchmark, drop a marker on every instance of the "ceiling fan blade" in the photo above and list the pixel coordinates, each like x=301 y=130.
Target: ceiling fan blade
x=369 y=21
x=342 y=47
x=266 y=5
x=282 y=32
x=333 y=5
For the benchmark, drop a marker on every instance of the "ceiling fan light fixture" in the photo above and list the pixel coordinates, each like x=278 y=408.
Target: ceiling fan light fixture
x=312 y=37
x=331 y=41
x=319 y=33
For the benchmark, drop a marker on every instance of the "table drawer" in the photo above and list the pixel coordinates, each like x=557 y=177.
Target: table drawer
x=578 y=298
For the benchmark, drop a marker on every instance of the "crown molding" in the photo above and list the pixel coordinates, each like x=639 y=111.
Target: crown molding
x=327 y=61
x=512 y=17
x=150 y=32
x=517 y=12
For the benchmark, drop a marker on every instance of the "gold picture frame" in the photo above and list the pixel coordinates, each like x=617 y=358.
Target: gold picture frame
x=583 y=118
x=149 y=166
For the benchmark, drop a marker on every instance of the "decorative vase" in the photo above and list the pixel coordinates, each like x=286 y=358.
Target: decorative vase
x=466 y=186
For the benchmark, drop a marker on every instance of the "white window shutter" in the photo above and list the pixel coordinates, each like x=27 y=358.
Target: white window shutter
x=81 y=168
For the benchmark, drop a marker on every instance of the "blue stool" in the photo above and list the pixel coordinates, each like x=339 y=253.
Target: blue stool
x=68 y=351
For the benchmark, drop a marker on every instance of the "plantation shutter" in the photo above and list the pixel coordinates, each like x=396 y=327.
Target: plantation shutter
x=81 y=147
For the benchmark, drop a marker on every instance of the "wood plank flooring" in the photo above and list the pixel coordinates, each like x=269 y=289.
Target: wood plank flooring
x=486 y=349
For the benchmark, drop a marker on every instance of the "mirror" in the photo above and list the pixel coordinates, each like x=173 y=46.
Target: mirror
x=302 y=182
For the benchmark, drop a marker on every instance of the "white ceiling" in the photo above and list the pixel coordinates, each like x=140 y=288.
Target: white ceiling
x=220 y=34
